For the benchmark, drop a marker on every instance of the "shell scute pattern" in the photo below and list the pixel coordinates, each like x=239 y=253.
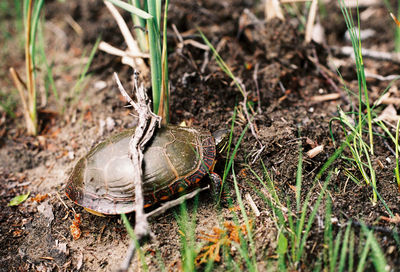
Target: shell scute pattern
x=174 y=162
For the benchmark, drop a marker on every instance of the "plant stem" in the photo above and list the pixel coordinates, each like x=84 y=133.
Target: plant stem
x=397 y=155
x=31 y=122
x=140 y=33
x=164 y=97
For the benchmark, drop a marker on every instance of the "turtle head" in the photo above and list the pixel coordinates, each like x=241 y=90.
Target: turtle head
x=221 y=139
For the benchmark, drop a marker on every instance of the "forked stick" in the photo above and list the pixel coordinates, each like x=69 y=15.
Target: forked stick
x=144 y=131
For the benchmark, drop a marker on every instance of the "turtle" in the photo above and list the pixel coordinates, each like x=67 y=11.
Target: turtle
x=175 y=161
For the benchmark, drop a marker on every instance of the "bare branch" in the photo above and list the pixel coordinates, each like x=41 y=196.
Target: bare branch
x=144 y=131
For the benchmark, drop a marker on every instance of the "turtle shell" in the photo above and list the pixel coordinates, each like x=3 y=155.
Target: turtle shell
x=175 y=161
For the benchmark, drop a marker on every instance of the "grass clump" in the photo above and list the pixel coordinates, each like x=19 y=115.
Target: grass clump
x=339 y=250
x=357 y=124
x=148 y=17
x=27 y=91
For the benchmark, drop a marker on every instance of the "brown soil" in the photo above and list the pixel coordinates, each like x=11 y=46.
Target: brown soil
x=270 y=56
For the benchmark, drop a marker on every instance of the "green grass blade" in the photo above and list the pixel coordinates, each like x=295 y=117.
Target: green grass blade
x=209 y=266
x=155 y=12
x=77 y=88
x=35 y=20
x=351 y=252
x=221 y=63
x=328 y=234
x=164 y=68
x=344 y=253
x=364 y=253
x=311 y=217
x=292 y=230
x=274 y=204
x=331 y=160
x=362 y=85
x=378 y=257
x=49 y=69
x=132 y=9
x=140 y=32
x=158 y=12
x=227 y=165
x=299 y=178
x=132 y=235
x=25 y=10
x=232 y=157
x=270 y=184
x=281 y=250
x=335 y=252
x=155 y=63
x=252 y=266
x=31 y=116
x=187 y=227
x=396 y=169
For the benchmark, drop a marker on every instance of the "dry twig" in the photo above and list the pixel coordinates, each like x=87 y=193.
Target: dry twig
x=249 y=119
x=368 y=53
x=144 y=131
x=255 y=74
x=172 y=203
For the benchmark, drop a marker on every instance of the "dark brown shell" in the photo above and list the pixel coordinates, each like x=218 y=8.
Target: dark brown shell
x=174 y=162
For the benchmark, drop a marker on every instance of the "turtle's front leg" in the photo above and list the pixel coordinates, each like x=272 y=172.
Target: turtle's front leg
x=217 y=187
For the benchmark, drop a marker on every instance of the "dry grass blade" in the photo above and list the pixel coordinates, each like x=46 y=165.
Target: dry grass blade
x=325 y=97
x=252 y=204
x=273 y=10
x=363 y=3
x=21 y=87
x=108 y=48
x=32 y=124
x=310 y=21
x=133 y=48
x=29 y=101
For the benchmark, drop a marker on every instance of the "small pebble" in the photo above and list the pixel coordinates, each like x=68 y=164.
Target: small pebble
x=100 y=85
x=110 y=123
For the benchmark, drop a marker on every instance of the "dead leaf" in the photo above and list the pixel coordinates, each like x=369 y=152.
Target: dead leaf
x=39 y=198
x=74 y=228
x=220 y=238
